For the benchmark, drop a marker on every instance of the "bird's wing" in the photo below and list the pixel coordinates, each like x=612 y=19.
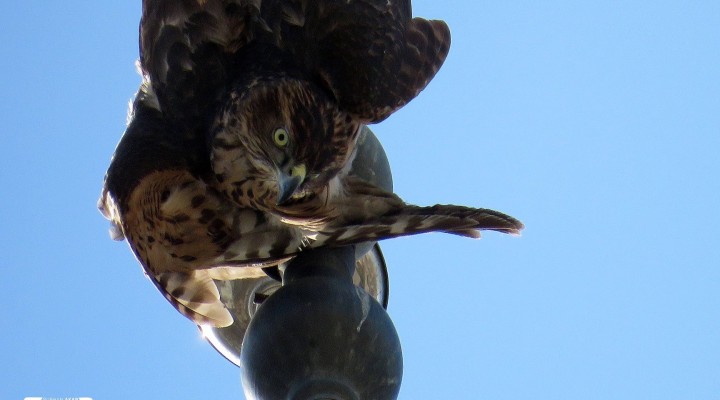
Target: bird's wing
x=370 y=54
x=184 y=50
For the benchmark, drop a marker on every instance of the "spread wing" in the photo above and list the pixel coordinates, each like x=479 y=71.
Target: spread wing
x=369 y=54
x=184 y=50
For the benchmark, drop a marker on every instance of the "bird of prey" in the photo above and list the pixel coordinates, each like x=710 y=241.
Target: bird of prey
x=237 y=152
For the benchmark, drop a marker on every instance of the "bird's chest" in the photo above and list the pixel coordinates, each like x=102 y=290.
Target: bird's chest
x=177 y=224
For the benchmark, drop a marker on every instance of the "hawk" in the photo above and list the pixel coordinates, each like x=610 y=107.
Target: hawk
x=239 y=142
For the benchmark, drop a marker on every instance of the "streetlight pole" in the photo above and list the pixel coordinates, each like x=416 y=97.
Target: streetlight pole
x=321 y=337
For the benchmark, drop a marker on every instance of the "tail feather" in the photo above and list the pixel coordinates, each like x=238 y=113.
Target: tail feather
x=195 y=295
x=412 y=220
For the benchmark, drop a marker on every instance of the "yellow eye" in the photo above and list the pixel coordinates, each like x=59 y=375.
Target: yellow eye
x=281 y=137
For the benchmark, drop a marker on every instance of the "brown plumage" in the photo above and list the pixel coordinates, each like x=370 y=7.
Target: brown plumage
x=238 y=150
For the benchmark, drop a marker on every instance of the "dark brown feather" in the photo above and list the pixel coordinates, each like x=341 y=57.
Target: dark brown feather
x=370 y=54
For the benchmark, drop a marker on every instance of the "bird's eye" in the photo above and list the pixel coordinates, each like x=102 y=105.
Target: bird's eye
x=281 y=137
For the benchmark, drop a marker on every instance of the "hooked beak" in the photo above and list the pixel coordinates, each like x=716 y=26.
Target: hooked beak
x=289 y=182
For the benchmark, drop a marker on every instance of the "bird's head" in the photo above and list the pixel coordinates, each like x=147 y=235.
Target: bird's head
x=279 y=139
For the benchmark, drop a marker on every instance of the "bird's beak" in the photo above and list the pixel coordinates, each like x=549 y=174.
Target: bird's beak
x=289 y=182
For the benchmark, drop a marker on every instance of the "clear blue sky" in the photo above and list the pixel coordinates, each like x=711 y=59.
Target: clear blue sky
x=596 y=123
